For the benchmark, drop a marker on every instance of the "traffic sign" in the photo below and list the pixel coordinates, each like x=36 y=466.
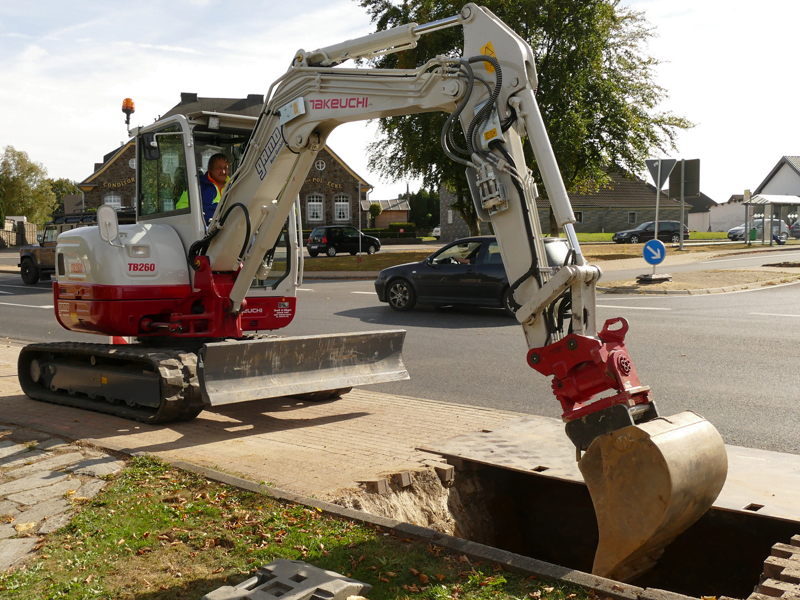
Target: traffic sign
x=689 y=172
x=667 y=164
x=654 y=252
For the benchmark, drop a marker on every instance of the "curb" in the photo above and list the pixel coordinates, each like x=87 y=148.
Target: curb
x=511 y=561
x=700 y=292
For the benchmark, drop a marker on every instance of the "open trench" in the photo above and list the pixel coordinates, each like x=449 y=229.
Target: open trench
x=553 y=520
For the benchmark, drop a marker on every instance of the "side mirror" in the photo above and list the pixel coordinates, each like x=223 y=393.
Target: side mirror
x=108 y=224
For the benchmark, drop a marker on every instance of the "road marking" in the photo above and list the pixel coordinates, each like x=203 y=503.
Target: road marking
x=775 y=315
x=362 y=292
x=2 y=292
x=304 y=290
x=25 y=305
x=632 y=307
x=26 y=287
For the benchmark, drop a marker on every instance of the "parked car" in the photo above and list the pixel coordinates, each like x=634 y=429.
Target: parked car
x=466 y=272
x=668 y=231
x=795 y=230
x=437 y=232
x=331 y=239
x=779 y=228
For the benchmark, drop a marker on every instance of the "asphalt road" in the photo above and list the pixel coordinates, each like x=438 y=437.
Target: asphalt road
x=730 y=357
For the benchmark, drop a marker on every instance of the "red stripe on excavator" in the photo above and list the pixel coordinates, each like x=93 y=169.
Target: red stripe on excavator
x=94 y=291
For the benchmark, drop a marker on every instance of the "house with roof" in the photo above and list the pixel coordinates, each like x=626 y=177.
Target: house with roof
x=626 y=203
x=333 y=193
x=392 y=211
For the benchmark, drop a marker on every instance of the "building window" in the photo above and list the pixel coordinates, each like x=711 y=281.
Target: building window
x=631 y=217
x=314 y=208
x=579 y=217
x=113 y=199
x=320 y=165
x=341 y=208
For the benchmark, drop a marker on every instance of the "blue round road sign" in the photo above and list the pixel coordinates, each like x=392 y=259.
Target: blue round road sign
x=654 y=252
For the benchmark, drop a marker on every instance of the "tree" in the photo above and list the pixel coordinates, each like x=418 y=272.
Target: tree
x=63 y=187
x=596 y=92
x=25 y=188
x=374 y=210
x=424 y=208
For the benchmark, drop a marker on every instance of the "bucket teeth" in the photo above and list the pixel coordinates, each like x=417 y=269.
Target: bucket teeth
x=649 y=483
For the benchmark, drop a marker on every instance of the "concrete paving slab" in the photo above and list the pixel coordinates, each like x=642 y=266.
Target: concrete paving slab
x=89 y=489
x=23 y=434
x=8 y=508
x=7 y=531
x=31 y=482
x=9 y=448
x=56 y=462
x=23 y=458
x=42 y=511
x=41 y=494
x=55 y=523
x=12 y=551
x=52 y=444
x=97 y=467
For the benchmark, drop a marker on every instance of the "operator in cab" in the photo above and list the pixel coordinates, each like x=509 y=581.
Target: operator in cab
x=212 y=184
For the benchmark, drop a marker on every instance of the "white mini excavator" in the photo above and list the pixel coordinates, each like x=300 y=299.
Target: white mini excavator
x=194 y=297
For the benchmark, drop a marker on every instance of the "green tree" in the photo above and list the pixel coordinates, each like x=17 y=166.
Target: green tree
x=25 y=188
x=596 y=92
x=374 y=210
x=63 y=187
x=424 y=208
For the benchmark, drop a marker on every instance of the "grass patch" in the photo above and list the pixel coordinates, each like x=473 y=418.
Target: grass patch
x=374 y=262
x=160 y=533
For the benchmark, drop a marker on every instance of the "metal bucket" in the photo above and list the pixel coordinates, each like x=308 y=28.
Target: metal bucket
x=238 y=371
x=649 y=483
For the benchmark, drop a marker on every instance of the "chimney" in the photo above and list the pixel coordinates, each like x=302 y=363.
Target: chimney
x=255 y=99
x=188 y=98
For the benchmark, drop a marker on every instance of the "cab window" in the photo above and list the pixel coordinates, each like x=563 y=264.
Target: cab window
x=463 y=253
x=50 y=234
x=163 y=182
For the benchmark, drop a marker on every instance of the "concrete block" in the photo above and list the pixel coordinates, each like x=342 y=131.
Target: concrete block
x=796 y=541
x=8 y=508
x=783 y=550
x=657 y=594
x=12 y=551
x=41 y=494
x=22 y=458
x=49 y=464
x=42 y=511
x=89 y=489
x=774 y=566
x=52 y=444
x=32 y=481
x=7 y=531
x=97 y=467
x=775 y=588
x=292 y=580
x=403 y=479
x=446 y=473
x=55 y=523
x=9 y=448
x=376 y=486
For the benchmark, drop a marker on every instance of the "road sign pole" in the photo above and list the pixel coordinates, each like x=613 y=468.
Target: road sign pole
x=683 y=187
x=658 y=197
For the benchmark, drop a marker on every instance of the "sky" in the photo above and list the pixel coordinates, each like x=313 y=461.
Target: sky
x=728 y=66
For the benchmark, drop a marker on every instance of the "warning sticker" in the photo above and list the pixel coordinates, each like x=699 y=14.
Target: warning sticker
x=488 y=50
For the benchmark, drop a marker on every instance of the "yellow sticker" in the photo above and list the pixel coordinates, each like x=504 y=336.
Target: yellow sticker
x=488 y=50
x=491 y=134
x=103 y=380
x=296 y=109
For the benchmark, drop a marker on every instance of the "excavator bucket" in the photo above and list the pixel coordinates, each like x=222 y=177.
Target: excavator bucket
x=649 y=483
x=238 y=371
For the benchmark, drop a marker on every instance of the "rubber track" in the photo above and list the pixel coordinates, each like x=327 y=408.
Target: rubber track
x=180 y=390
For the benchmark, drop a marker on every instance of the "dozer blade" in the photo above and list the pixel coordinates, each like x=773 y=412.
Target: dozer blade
x=242 y=370
x=649 y=483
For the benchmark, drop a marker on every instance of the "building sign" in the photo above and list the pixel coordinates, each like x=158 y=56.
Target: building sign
x=330 y=184
x=117 y=184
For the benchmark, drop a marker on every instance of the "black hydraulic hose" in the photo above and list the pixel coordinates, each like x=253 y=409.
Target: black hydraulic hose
x=447 y=130
x=199 y=247
x=247 y=222
x=485 y=111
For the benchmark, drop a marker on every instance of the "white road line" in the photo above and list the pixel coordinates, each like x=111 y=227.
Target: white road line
x=632 y=307
x=2 y=292
x=50 y=306
x=362 y=292
x=719 y=260
x=775 y=315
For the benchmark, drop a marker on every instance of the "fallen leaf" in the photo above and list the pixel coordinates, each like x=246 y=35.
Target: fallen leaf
x=218 y=570
x=391 y=574
x=410 y=588
x=548 y=589
x=440 y=577
x=384 y=579
x=122 y=541
x=146 y=535
x=423 y=578
x=537 y=594
x=413 y=571
x=20 y=527
x=88 y=580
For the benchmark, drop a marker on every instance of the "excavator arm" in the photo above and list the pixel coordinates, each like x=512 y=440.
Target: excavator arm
x=676 y=466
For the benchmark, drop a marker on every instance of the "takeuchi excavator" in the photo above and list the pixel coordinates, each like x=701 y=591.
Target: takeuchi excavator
x=199 y=300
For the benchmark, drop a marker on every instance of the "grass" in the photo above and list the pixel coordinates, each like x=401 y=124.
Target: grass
x=159 y=533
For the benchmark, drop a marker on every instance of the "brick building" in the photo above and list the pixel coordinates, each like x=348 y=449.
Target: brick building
x=329 y=196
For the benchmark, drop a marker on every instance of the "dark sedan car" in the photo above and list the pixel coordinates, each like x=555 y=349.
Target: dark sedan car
x=331 y=239
x=468 y=272
x=668 y=231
